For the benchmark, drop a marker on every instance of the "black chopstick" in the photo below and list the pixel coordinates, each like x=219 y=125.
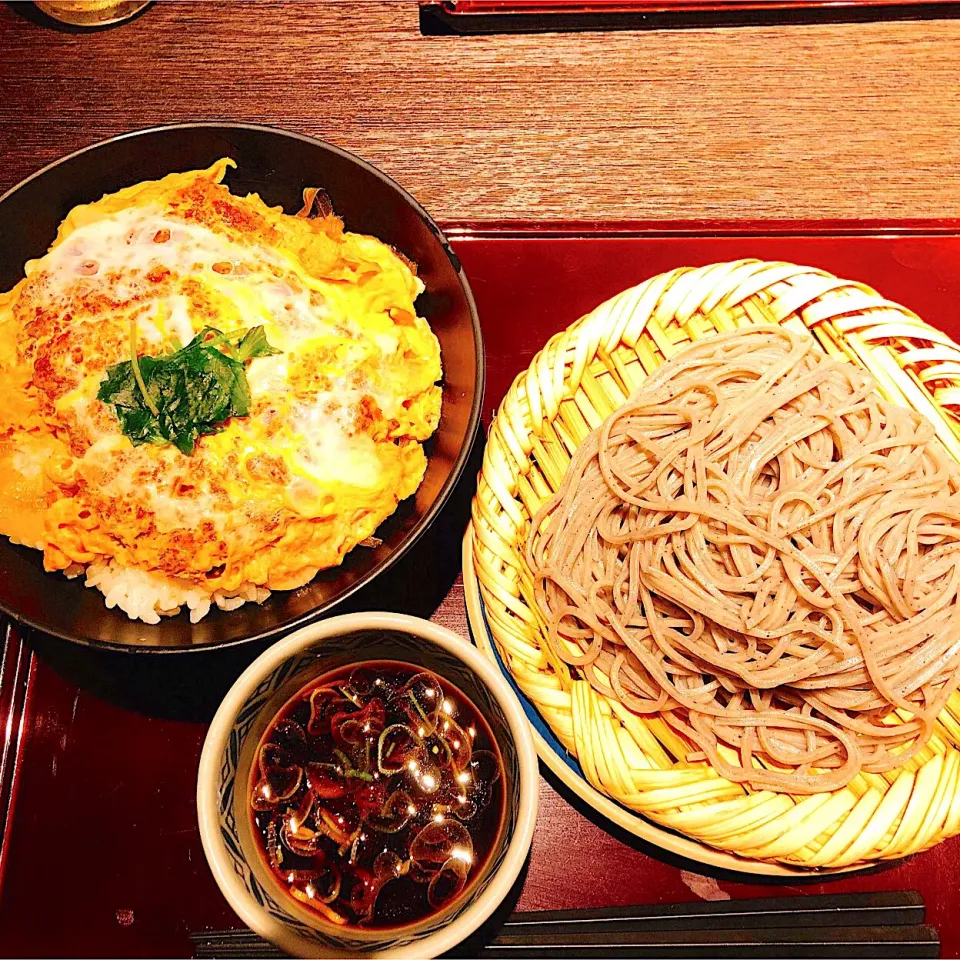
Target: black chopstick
x=893 y=941
x=894 y=907
x=877 y=925
x=229 y=944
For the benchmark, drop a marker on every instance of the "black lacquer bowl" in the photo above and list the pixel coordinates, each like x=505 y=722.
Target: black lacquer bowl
x=277 y=165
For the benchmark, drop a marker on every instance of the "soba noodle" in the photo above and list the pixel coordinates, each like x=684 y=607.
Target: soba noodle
x=766 y=553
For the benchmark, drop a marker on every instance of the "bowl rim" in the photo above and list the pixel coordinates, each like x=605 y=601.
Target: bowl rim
x=443 y=495
x=467 y=922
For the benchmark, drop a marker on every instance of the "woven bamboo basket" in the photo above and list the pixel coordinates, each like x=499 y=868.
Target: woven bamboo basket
x=581 y=376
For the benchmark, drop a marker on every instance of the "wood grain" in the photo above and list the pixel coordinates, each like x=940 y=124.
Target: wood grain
x=801 y=121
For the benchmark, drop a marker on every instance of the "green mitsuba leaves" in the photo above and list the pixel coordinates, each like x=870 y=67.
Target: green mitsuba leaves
x=180 y=396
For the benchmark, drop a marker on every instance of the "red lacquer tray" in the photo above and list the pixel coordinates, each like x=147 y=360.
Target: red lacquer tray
x=544 y=16
x=101 y=854
x=626 y=6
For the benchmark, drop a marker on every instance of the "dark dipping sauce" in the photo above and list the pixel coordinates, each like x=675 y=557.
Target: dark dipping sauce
x=377 y=795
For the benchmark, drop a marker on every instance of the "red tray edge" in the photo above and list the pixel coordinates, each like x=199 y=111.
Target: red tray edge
x=460 y=7
x=586 y=229
x=16 y=668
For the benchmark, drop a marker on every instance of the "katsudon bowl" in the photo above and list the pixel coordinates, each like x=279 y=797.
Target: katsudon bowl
x=278 y=166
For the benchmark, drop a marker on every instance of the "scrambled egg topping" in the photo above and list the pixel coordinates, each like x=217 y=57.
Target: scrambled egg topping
x=333 y=438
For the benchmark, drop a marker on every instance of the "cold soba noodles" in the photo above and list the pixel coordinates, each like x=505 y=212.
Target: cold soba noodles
x=377 y=795
x=763 y=551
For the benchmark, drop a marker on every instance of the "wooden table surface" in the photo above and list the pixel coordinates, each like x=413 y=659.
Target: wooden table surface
x=791 y=121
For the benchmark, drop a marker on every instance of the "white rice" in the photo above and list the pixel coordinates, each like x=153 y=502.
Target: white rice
x=146 y=596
